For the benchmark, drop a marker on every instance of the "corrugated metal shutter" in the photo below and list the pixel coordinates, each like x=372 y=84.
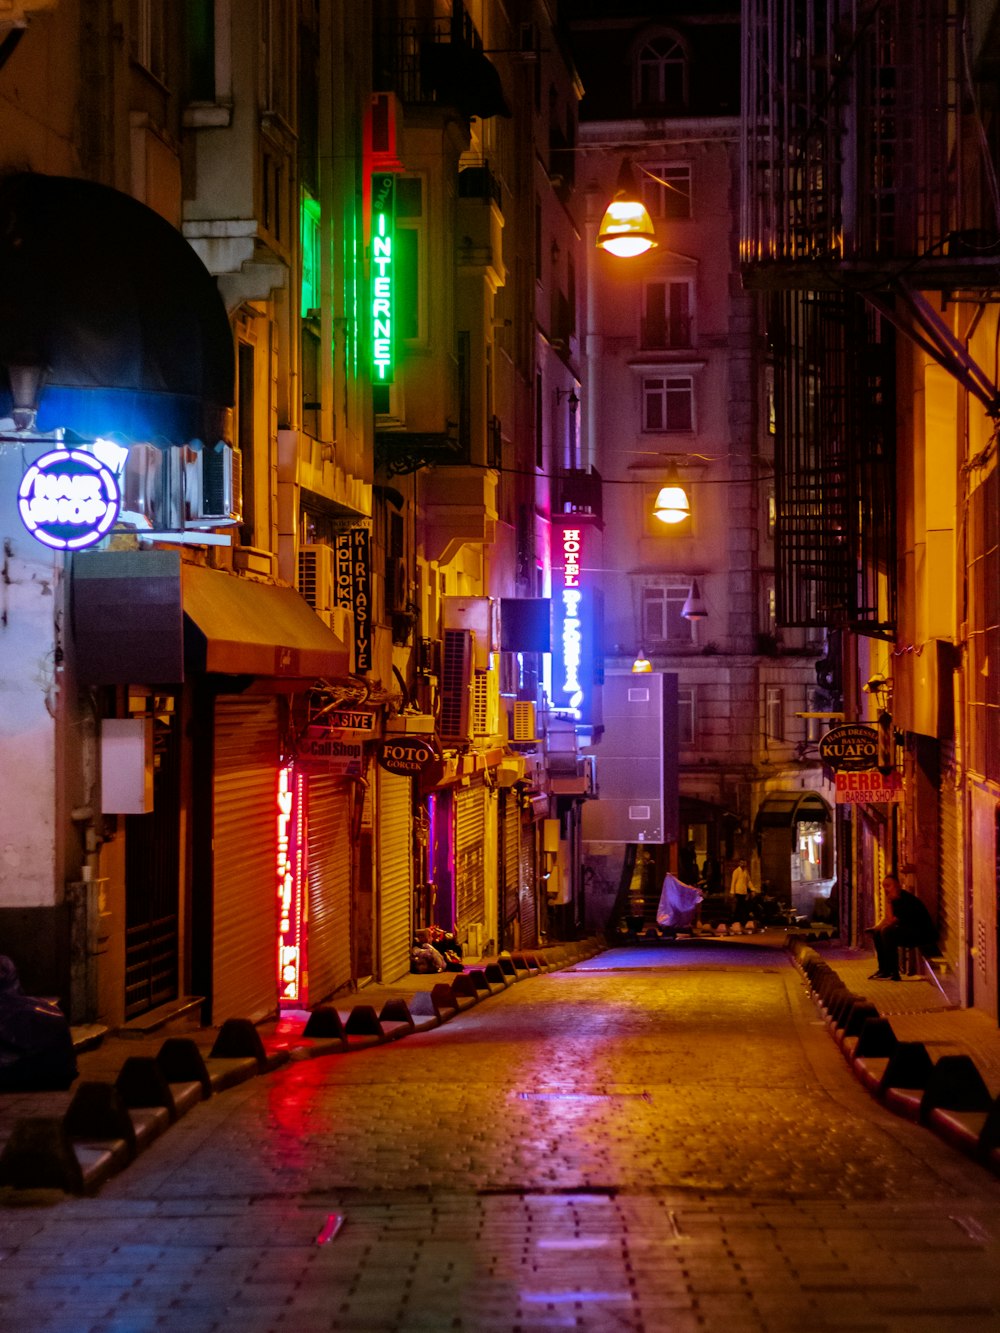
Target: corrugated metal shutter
x=395 y=875
x=527 y=904
x=328 y=939
x=244 y=920
x=950 y=891
x=470 y=871
x=511 y=864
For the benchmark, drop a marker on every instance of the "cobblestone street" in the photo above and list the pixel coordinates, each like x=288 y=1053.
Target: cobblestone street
x=654 y=1139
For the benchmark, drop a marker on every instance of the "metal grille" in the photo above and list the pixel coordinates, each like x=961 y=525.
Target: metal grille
x=528 y=902
x=511 y=817
x=328 y=941
x=835 y=461
x=152 y=869
x=470 y=867
x=850 y=115
x=950 y=889
x=244 y=919
x=395 y=876
x=984 y=627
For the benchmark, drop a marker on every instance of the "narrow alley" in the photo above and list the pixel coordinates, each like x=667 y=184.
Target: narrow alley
x=652 y=1139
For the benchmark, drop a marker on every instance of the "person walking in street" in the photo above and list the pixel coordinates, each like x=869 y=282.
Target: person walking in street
x=906 y=924
x=740 y=889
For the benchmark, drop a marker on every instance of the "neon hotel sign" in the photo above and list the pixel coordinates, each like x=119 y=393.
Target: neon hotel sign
x=573 y=629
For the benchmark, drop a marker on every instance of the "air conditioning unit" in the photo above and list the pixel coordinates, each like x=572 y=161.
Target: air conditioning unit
x=213 y=487
x=315 y=575
x=339 y=619
x=456 y=685
x=485 y=703
x=479 y=614
x=523 y=726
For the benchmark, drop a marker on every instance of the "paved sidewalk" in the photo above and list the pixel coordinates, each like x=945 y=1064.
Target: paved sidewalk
x=101 y=1057
x=919 y=1012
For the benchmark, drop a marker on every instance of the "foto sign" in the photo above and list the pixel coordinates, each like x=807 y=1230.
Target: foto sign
x=406 y=755
x=850 y=748
x=68 y=499
x=383 y=276
x=352 y=589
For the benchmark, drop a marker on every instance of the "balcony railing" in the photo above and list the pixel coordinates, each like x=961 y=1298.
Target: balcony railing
x=851 y=116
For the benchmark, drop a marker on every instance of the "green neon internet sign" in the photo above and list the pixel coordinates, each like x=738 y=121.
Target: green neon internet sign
x=383 y=276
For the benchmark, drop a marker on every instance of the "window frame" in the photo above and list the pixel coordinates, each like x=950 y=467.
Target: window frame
x=671 y=202
x=678 y=330
x=660 y=592
x=665 y=395
x=661 y=53
x=687 y=715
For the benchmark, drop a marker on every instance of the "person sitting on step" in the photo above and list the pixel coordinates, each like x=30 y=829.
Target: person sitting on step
x=906 y=924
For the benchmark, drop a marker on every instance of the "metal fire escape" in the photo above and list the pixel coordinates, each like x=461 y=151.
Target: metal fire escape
x=856 y=202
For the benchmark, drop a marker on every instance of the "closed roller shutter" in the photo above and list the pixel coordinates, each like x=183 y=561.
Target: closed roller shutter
x=395 y=876
x=470 y=871
x=527 y=903
x=328 y=836
x=244 y=919
x=511 y=866
x=950 y=891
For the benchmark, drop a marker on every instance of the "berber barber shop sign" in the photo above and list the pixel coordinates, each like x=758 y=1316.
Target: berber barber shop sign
x=406 y=755
x=850 y=748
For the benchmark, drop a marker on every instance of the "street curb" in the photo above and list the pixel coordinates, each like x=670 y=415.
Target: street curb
x=107 y=1125
x=947 y=1095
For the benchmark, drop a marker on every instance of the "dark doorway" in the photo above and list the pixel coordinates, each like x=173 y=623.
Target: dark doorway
x=152 y=879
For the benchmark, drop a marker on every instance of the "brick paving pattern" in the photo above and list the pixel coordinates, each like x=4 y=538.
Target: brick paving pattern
x=656 y=1139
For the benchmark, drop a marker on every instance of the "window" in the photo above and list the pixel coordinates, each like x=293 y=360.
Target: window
x=661 y=73
x=667 y=192
x=817 y=701
x=662 y=622
x=668 y=403
x=685 y=714
x=147 y=37
x=245 y=414
x=409 y=246
x=774 y=712
x=666 y=320
x=276 y=58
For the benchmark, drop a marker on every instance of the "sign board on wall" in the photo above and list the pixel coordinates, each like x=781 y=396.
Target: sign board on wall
x=341 y=754
x=850 y=748
x=68 y=499
x=574 y=626
x=408 y=756
x=383 y=259
x=868 y=787
x=352 y=589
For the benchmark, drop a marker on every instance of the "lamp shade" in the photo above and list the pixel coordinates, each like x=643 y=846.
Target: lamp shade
x=672 y=504
x=694 y=608
x=626 y=229
x=642 y=665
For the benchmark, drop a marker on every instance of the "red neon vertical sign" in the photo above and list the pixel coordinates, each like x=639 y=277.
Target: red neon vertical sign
x=290 y=813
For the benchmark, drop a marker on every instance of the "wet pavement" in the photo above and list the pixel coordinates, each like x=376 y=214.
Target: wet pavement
x=656 y=1138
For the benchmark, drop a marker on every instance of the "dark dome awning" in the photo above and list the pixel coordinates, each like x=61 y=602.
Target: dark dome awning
x=114 y=305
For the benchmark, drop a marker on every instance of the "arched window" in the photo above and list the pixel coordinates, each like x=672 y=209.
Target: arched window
x=661 y=73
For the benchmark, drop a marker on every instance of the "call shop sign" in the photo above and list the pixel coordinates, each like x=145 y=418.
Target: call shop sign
x=851 y=748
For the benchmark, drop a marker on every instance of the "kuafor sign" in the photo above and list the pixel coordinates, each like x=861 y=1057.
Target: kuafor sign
x=852 y=747
x=406 y=755
x=868 y=788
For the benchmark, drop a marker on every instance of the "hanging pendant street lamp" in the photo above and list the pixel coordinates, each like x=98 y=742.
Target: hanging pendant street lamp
x=642 y=665
x=694 y=608
x=626 y=229
x=672 y=504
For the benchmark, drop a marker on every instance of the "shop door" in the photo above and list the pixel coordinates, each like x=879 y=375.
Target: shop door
x=328 y=867
x=470 y=876
x=395 y=875
x=527 y=893
x=152 y=882
x=244 y=913
x=510 y=928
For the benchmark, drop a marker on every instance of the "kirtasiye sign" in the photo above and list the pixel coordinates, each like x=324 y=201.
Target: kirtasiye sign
x=68 y=499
